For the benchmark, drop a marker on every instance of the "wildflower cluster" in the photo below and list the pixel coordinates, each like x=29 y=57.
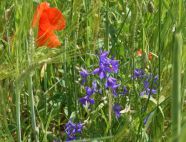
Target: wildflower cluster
x=104 y=82
x=107 y=67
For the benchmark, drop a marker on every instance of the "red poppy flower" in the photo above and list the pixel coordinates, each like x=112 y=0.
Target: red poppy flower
x=139 y=52
x=48 y=20
x=150 y=56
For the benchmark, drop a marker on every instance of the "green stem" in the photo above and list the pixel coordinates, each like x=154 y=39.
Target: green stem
x=106 y=38
x=176 y=93
x=31 y=99
x=110 y=112
x=18 y=114
x=17 y=92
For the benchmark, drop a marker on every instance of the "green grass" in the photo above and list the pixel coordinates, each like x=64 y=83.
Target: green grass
x=40 y=87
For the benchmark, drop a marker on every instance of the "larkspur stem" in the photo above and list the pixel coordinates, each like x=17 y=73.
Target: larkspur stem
x=110 y=112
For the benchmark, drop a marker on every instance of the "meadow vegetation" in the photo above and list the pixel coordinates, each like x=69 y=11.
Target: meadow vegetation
x=119 y=74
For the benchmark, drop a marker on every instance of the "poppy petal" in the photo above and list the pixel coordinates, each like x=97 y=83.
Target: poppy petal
x=47 y=38
x=56 y=18
x=53 y=41
x=39 y=11
x=41 y=38
x=44 y=23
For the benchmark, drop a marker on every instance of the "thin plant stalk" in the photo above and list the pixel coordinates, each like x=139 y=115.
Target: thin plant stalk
x=18 y=114
x=17 y=93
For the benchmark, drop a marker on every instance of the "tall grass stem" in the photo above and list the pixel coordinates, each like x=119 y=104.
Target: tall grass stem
x=176 y=93
x=30 y=90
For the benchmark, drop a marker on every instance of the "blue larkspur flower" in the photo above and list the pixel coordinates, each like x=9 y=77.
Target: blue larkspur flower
x=72 y=129
x=112 y=66
x=112 y=84
x=89 y=91
x=125 y=91
x=103 y=56
x=138 y=73
x=149 y=91
x=100 y=72
x=86 y=99
x=84 y=74
x=156 y=78
x=106 y=65
x=117 y=109
x=146 y=84
x=94 y=86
